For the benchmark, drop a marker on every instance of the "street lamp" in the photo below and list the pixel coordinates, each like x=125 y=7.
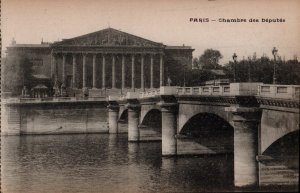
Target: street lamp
x=184 y=76
x=249 y=69
x=234 y=57
x=274 y=52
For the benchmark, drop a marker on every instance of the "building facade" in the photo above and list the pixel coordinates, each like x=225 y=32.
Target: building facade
x=106 y=59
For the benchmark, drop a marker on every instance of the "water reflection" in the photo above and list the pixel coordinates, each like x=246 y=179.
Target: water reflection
x=105 y=163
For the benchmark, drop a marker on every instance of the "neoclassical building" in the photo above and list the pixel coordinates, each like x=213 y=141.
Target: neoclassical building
x=106 y=59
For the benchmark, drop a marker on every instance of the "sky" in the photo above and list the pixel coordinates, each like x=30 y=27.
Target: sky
x=166 y=21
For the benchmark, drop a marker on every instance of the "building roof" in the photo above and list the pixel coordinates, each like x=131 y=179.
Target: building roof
x=104 y=37
x=218 y=72
x=39 y=86
x=40 y=76
x=108 y=37
x=179 y=47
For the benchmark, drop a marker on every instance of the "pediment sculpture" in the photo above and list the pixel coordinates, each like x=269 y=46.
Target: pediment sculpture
x=109 y=37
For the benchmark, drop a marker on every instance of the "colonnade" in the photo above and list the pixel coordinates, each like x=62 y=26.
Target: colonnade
x=113 y=68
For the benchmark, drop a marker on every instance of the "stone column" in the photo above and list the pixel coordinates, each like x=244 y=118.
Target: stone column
x=113 y=68
x=84 y=71
x=113 y=112
x=94 y=71
x=246 y=123
x=169 y=128
x=103 y=72
x=151 y=71
x=54 y=67
x=133 y=122
x=132 y=72
x=123 y=71
x=64 y=69
x=74 y=72
x=161 y=70
x=142 y=73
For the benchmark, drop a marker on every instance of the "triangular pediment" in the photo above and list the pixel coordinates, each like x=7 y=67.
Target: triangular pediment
x=108 y=37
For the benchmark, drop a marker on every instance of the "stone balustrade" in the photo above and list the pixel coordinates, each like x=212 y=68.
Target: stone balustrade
x=149 y=93
x=279 y=91
x=204 y=90
x=49 y=100
x=234 y=89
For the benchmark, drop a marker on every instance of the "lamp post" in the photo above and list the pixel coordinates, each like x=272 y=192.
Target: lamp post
x=274 y=52
x=184 y=76
x=234 y=57
x=249 y=69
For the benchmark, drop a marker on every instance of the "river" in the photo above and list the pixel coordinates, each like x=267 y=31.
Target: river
x=106 y=163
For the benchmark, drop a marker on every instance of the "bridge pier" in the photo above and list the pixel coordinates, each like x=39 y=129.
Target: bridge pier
x=246 y=123
x=10 y=120
x=113 y=112
x=169 y=128
x=133 y=122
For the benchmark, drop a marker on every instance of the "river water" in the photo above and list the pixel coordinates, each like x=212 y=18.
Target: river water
x=105 y=163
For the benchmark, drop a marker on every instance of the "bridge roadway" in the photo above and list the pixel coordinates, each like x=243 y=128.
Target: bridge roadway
x=259 y=116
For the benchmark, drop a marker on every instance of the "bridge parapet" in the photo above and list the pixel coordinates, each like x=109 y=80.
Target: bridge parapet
x=204 y=90
x=149 y=93
x=49 y=100
x=234 y=89
x=164 y=90
x=279 y=91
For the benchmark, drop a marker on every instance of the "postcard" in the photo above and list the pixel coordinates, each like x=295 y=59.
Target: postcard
x=150 y=96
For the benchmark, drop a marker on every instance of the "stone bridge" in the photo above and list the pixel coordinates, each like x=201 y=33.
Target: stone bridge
x=256 y=116
x=258 y=123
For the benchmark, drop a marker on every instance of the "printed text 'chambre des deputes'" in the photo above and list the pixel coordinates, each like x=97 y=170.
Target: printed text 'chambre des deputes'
x=236 y=20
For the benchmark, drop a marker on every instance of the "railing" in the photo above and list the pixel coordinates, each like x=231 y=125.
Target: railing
x=279 y=91
x=234 y=89
x=204 y=90
x=149 y=93
x=52 y=99
x=122 y=97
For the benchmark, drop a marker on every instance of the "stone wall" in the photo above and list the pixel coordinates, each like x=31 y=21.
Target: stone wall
x=54 y=119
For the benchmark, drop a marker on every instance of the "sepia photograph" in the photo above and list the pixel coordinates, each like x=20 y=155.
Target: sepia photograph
x=150 y=96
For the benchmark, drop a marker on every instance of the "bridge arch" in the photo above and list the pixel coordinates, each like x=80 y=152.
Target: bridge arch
x=188 y=111
x=275 y=125
x=287 y=145
x=213 y=132
x=123 y=114
x=148 y=110
x=152 y=118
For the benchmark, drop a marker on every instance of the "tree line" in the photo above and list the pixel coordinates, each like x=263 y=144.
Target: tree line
x=16 y=72
x=250 y=69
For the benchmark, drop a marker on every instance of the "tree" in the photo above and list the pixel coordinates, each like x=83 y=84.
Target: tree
x=288 y=72
x=208 y=60
x=197 y=77
x=16 y=73
x=261 y=70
